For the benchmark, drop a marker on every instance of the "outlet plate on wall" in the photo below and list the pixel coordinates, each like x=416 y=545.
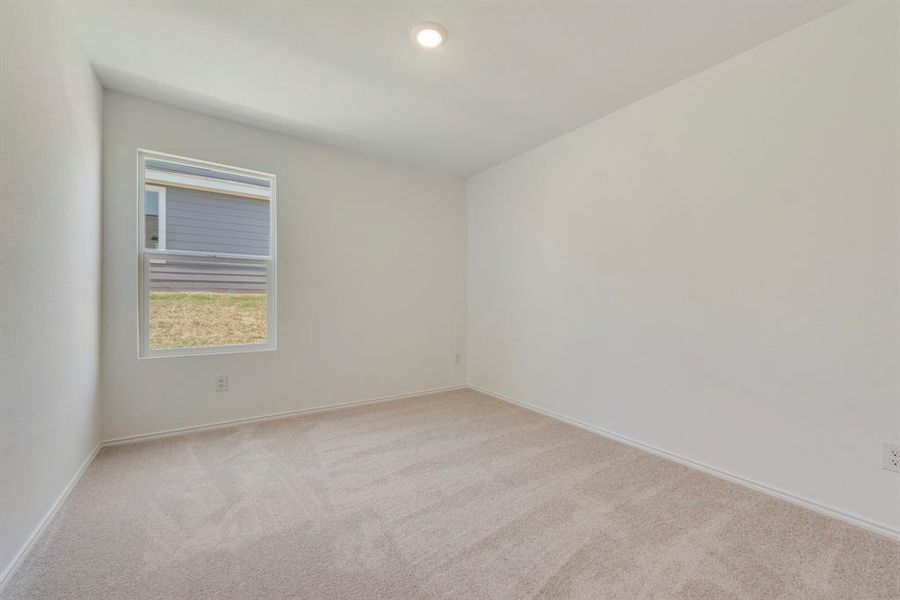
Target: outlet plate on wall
x=891 y=457
x=221 y=383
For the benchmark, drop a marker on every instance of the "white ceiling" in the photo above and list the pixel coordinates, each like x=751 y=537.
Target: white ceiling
x=511 y=76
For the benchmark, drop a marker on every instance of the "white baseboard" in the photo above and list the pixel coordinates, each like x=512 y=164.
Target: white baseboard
x=17 y=560
x=272 y=416
x=818 y=507
x=847 y=517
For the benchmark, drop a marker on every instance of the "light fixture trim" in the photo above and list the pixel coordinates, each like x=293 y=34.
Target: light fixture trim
x=430 y=35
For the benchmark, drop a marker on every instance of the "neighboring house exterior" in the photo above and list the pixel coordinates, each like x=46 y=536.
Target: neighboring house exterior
x=186 y=209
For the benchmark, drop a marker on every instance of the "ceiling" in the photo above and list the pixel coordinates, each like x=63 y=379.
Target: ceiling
x=511 y=76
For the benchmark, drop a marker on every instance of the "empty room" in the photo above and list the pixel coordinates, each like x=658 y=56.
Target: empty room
x=572 y=299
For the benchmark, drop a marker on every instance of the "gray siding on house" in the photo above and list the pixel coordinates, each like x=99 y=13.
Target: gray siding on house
x=184 y=276
x=209 y=222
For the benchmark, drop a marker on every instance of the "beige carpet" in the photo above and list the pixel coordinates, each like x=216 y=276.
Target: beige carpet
x=452 y=495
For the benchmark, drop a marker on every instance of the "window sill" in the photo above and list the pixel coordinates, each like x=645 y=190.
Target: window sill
x=207 y=351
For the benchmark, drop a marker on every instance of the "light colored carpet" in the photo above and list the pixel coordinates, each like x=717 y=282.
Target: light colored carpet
x=452 y=495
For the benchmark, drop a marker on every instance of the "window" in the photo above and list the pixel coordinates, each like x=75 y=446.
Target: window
x=155 y=217
x=207 y=257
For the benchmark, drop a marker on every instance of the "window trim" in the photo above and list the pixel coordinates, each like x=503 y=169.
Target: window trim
x=205 y=184
x=146 y=255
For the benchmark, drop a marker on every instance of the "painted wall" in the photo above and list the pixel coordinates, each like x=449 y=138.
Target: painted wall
x=371 y=278
x=713 y=270
x=50 y=118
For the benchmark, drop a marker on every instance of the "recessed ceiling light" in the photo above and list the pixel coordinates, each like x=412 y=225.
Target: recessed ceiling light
x=430 y=34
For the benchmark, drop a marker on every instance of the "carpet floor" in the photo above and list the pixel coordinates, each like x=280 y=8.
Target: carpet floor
x=450 y=495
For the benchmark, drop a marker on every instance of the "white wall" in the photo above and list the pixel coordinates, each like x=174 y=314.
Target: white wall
x=371 y=278
x=50 y=118
x=714 y=270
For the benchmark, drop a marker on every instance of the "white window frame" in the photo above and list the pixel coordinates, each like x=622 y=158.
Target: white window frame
x=147 y=255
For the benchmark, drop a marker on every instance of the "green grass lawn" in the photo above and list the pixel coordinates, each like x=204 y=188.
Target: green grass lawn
x=194 y=319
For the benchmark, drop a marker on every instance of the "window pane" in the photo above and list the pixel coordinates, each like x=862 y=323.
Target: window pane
x=196 y=304
x=151 y=203
x=151 y=219
x=206 y=222
x=210 y=211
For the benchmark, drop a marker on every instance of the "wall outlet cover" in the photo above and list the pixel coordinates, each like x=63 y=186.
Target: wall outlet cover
x=221 y=383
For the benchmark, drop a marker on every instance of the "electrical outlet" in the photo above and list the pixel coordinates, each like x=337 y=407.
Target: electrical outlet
x=221 y=383
x=457 y=358
x=891 y=457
